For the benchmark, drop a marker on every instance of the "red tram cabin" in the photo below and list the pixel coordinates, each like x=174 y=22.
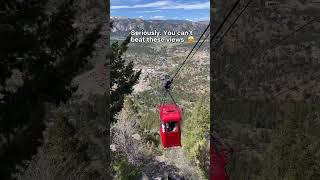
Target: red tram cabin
x=220 y=156
x=170 y=127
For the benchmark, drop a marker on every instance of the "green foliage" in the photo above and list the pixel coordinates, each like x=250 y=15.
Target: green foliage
x=45 y=49
x=292 y=155
x=123 y=77
x=196 y=135
x=146 y=123
x=126 y=171
x=271 y=140
x=131 y=108
x=62 y=156
x=75 y=145
x=150 y=120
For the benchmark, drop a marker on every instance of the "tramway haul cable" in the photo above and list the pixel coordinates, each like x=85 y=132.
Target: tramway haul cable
x=224 y=20
x=189 y=53
x=184 y=62
x=220 y=27
x=229 y=28
x=200 y=46
x=197 y=49
x=214 y=35
x=171 y=97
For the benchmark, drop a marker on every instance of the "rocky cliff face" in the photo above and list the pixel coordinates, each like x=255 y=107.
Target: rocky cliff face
x=94 y=80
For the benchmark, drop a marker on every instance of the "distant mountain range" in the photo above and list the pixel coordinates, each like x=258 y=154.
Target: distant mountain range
x=123 y=25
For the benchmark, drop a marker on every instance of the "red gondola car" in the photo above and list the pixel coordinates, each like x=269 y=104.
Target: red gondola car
x=219 y=159
x=170 y=127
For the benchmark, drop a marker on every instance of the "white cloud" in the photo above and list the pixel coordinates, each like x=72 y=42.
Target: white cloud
x=123 y=1
x=156 y=4
x=188 y=6
x=140 y=17
x=157 y=17
x=153 y=11
x=167 y=5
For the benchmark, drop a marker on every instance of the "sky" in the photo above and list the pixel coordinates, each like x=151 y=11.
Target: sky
x=192 y=10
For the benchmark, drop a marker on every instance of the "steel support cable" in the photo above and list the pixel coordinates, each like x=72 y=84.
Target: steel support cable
x=197 y=49
x=163 y=97
x=189 y=53
x=214 y=35
x=233 y=23
x=189 y=61
x=224 y=21
x=199 y=46
x=221 y=27
x=171 y=97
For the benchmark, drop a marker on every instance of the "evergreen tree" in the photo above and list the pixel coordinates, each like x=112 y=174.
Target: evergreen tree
x=63 y=155
x=124 y=170
x=45 y=49
x=74 y=145
x=291 y=156
x=123 y=77
x=293 y=153
x=196 y=136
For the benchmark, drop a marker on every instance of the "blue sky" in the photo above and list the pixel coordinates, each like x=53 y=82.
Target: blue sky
x=194 y=10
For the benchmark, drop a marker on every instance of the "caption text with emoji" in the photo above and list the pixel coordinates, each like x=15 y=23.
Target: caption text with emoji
x=161 y=36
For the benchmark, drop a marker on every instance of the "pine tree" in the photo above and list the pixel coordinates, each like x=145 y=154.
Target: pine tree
x=196 y=136
x=293 y=154
x=123 y=77
x=74 y=144
x=45 y=49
